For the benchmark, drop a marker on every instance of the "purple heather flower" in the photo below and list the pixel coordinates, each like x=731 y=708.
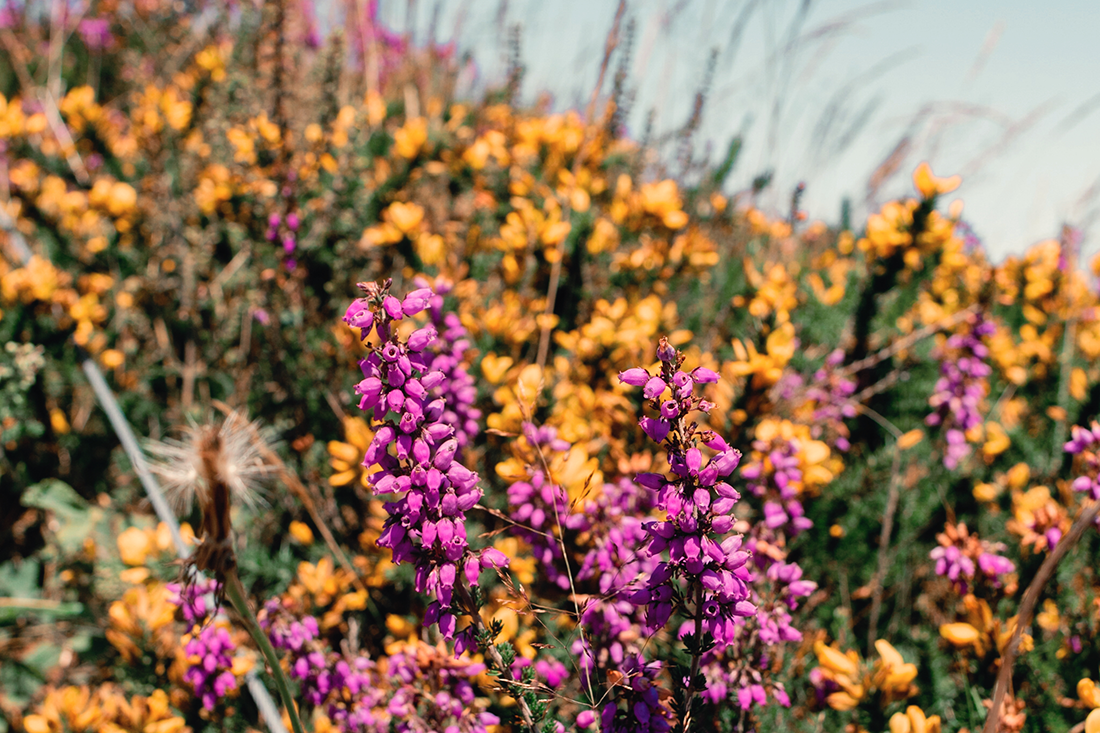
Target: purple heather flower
x=415 y=450
x=210 y=672
x=1082 y=444
x=635 y=377
x=209 y=651
x=643 y=709
x=961 y=387
x=96 y=33
x=697 y=506
x=961 y=555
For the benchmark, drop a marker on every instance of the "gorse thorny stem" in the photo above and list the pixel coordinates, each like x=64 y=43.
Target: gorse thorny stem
x=234 y=591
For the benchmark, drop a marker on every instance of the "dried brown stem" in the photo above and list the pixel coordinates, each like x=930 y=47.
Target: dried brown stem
x=1027 y=609
x=884 y=547
x=904 y=343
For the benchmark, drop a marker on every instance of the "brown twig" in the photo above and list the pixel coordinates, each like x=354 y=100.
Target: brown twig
x=884 y=546
x=888 y=514
x=1027 y=608
x=904 y=343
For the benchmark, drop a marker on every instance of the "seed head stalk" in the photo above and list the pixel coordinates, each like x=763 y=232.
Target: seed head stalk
x=234 y=591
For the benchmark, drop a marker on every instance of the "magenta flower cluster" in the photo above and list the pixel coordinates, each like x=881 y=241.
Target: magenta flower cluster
x=960 y=559
x=287 y=236
x=414 y=450
x=210 y=649
x=642 y=706
x=773 y=476
x=961 y=387
x=615 y=521
x=439 y=697
x=191 y=599
x=538 y=505
x=211 y=670
x=831 y=394
x=448 y=355
x=782 y=509
x=346 y=689
x=1084 y=442
x=697 y=501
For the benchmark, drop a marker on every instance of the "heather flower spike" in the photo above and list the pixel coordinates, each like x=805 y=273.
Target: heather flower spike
x=962 y=385
x=415 y=449
x=704 y=563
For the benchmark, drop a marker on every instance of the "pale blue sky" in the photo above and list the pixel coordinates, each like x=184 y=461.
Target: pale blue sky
x=1020 y=119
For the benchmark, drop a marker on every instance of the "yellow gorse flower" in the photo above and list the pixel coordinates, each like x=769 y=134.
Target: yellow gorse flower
x=104 y=708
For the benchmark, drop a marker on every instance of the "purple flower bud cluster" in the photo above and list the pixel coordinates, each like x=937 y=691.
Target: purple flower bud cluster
x=774 y=474
x=961 y=555
x=537 y=504
x=210 y=670
x=962 y=385
x=1084 y=442
x=448 y=355
x=435 y=692
x=191 y=599
x=289 y=235
x=641 y=706
x=726 y=678
x=209 y=649
x=612 y=623
x=697 y=502
x=831 y=396
x=744 y=664
x=414 y=450
x=347 y=690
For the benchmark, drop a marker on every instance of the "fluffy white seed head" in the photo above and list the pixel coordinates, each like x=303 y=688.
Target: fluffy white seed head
x=227 y=450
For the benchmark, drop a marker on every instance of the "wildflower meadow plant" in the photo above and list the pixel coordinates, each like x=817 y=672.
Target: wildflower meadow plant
x=538 y=518
x=706 y=565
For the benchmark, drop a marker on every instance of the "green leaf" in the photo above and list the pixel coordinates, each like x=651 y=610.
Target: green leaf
x=20 y=580
x=11 y=609
x=56 y=496
x=72 y=512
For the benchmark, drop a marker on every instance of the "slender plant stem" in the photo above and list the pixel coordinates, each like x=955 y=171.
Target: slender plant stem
x=696 y=656
x=1027 y=608
x=234 y=591
x=884 y=546
x=494 y=655
x=905 y=342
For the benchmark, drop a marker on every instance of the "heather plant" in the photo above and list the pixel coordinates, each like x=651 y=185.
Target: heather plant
x=504 y=489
